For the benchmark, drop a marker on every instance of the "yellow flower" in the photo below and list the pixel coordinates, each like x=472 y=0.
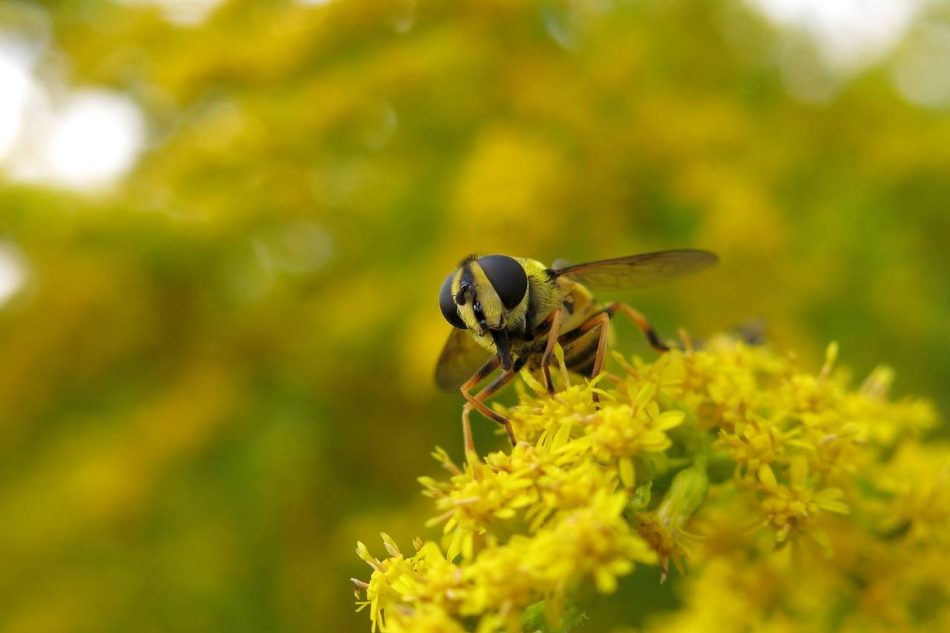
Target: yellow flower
x=709 y=458
x=795 y=507
x=621 y=432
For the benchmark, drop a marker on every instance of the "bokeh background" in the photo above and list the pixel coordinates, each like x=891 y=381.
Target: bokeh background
x=223 y=226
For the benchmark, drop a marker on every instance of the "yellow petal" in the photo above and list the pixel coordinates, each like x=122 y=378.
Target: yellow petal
x=767 y=478
x=668 y=420
x=562 y=436
x=606 y=582
x=798 y=471
x=627 y=474
x=645 y=394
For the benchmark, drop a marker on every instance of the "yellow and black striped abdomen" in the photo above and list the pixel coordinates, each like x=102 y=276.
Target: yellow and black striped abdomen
x=579 y=355
x=579 y=307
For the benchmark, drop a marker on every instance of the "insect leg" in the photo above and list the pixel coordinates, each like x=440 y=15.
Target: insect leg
x=638 y=319
x=600 y=320
x=477 y=401
x=555 y=327
x=496 y=385
x=600 y=317
x=485 y=370
x=641 y=322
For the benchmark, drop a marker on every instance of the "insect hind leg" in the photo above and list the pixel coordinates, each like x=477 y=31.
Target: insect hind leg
x=601 y=319
x=642 y=323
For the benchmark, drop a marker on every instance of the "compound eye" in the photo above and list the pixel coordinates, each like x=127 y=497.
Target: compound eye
x=507 y=277
x=447 y=303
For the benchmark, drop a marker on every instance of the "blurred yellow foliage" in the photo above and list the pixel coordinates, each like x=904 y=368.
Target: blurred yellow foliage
x=207 y=364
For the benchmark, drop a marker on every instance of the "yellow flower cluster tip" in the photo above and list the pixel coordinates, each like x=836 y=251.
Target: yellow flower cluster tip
x=719 y=460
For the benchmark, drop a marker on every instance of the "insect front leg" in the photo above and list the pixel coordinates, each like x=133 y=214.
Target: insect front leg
x=477 y=401
x=480 y=375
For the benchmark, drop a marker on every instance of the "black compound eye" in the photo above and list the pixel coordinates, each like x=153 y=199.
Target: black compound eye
x=507 y=277
x=447 y=303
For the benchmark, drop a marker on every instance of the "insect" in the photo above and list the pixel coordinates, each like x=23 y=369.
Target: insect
x=508 y=313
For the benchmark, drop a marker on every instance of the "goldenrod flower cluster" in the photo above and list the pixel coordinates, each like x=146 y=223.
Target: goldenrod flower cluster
x=787 y=500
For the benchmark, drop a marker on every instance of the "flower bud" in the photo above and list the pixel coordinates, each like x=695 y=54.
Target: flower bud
x=685 y=495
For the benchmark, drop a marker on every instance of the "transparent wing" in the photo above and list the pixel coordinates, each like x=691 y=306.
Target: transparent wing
x=635 y=271
x=461 y=357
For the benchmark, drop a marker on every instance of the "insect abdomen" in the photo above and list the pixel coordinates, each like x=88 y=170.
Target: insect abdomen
x=579 y=355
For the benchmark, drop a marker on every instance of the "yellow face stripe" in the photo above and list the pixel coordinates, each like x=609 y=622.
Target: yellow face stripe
x=491 y=311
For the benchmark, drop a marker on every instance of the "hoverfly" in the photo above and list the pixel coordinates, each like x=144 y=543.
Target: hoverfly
x=509 y=312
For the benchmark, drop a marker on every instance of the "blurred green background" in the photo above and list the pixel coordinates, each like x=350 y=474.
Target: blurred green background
x=223 y=226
